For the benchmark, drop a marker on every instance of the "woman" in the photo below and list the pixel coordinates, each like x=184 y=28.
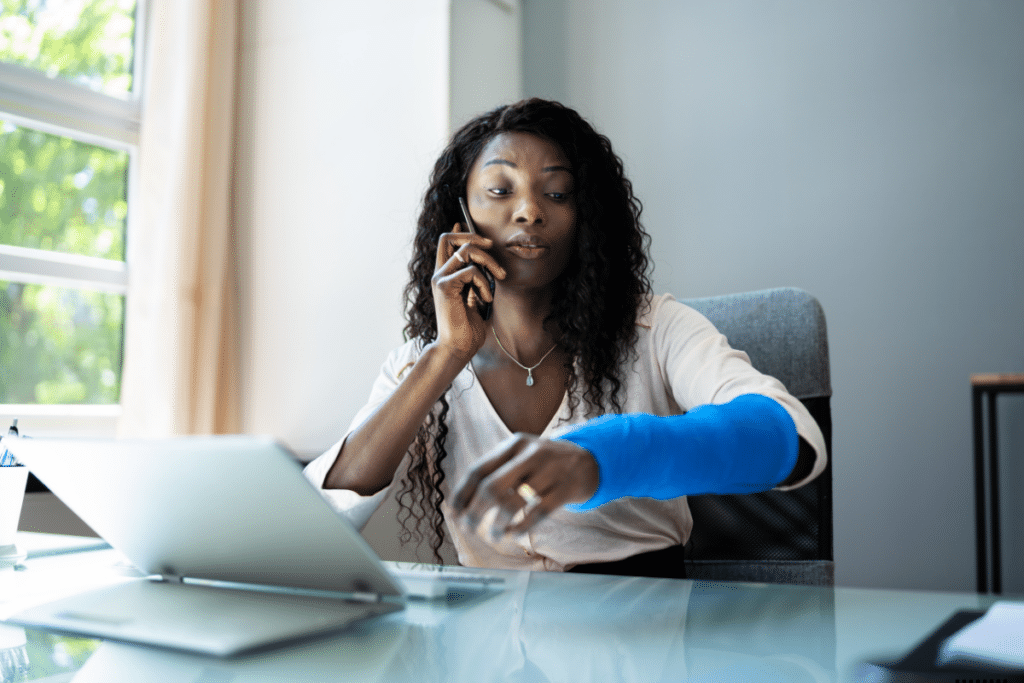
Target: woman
x=496 y=390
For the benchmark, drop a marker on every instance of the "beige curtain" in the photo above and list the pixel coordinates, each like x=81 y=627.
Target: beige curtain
x=180 y=364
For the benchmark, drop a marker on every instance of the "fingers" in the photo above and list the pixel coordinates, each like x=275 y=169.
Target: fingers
x=462 y=289
x=492 y=499
x=542 y=491
x=516 y=514
x=459 y=249
x=450 y=241
x=453 y=282
x=466 y=490
x=471 y=255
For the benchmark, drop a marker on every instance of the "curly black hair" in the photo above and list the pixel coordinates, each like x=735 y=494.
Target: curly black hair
x=596 y=301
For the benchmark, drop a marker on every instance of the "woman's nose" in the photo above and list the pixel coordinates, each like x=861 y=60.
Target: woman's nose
x=528 y=210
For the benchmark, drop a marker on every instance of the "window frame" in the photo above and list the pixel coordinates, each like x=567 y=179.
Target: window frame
x=61 y=107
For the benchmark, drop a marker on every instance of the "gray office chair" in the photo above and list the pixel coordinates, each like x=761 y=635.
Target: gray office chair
x=771 y=537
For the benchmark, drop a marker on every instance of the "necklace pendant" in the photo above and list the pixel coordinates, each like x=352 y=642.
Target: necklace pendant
x=529 y=371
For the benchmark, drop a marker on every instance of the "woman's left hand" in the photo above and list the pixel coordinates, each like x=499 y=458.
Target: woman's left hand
x=523 y=479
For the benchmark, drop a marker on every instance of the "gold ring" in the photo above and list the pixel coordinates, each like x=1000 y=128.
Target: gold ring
x=528 y=494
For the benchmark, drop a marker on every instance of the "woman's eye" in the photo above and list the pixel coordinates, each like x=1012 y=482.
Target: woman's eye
x=559 y=196
x=499 y=190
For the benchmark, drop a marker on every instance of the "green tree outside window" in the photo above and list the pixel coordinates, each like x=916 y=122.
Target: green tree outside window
x=62 y=345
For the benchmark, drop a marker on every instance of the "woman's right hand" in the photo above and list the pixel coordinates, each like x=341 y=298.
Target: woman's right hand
x=373 y=451
x=457 y=282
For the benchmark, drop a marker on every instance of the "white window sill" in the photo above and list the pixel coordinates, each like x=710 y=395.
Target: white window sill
x=89 y=421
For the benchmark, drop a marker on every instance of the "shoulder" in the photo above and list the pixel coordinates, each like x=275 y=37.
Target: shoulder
x=663 y=313
x=688 y=352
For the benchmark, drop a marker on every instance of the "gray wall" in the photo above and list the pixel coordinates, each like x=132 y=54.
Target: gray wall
x=871 y=153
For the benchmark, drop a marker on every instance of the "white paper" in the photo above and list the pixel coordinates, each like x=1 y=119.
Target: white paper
x=994 y=640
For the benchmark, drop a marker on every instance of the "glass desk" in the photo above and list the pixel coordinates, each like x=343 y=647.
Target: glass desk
x=538 y=627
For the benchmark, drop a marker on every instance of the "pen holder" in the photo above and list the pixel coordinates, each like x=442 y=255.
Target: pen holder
x=12 y=493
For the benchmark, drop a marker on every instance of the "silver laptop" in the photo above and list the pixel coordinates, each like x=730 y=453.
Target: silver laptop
x=243 y=552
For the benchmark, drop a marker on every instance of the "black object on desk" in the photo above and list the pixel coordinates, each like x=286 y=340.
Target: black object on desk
x=989 y=386
x=918 y=666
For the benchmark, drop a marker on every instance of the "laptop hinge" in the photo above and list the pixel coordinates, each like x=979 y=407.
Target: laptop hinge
x=368 y=597
x=364 y=597
x=170 y=577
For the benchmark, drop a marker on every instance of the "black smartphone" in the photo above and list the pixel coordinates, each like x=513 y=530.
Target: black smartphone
x=485 y=307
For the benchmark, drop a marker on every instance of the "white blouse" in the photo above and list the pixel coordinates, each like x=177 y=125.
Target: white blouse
x=683 y=362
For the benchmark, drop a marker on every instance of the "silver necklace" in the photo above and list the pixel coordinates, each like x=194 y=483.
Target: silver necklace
x=529 y=371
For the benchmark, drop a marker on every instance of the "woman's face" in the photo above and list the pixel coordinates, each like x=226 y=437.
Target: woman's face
x=520 y=194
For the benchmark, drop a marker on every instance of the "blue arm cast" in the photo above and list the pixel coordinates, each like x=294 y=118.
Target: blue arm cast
x=747 y=445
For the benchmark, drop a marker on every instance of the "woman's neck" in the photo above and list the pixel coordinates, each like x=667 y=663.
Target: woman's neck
x=518 y=322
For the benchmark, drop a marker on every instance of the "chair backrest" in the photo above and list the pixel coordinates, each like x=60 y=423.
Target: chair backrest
x=776 y=536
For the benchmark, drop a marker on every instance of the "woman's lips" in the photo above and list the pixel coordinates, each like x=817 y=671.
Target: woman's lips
x=528 y=251
x=527 y=246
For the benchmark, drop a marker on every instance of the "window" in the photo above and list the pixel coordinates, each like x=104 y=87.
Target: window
x=69 y=127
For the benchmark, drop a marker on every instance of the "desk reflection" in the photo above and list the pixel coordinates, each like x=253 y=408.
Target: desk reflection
x=14 y=664
x=361 y=653
x=541 y=627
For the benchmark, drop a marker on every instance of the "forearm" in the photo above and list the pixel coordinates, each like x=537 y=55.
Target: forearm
x=371 y=454
x=749 y=444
